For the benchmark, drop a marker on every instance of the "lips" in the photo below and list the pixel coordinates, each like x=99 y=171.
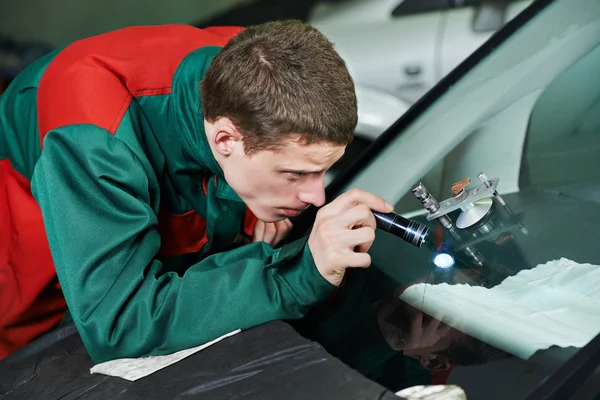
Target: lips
x=289 y=212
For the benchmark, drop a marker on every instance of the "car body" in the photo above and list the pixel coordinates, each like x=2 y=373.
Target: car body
x=397 y=50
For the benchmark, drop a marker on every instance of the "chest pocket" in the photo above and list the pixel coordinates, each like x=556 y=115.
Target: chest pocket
x=181 y=233
x=186 y=233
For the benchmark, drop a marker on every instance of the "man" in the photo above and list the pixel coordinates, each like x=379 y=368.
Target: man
x=133 y=163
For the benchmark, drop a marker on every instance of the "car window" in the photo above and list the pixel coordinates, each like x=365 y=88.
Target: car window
x=562 y=146
x=506 y=295
x=411 y=7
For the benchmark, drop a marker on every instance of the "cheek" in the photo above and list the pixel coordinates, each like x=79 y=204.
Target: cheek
x=254 y=180
x=258 y=183
x=279 y=185
x=275 y=188
x=243 y=178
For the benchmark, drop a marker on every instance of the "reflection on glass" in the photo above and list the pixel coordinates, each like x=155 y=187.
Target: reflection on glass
x=435 y=344
x=507 y=289
x=389 y=340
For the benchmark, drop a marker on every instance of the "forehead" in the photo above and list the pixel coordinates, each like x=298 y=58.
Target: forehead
x=294 y=150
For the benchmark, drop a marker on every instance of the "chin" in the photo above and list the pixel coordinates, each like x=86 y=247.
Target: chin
x=268 y=216
x=275 y=218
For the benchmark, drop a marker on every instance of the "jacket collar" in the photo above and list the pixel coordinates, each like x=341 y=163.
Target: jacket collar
x=188 y=120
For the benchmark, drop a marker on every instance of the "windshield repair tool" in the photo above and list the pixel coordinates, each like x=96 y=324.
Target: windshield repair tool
x=412 y=232
x=475 y=223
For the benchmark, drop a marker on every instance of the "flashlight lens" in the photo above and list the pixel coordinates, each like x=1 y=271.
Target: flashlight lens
x=443 y=260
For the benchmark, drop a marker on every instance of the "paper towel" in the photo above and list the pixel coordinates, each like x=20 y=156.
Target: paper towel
x=133 y=369
x=557 y=303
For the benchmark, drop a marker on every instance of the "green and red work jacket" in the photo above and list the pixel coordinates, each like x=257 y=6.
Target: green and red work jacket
x=110 y=199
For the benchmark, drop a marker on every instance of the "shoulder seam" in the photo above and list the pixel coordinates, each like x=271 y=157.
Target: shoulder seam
x=151 y=91
x=120 y=115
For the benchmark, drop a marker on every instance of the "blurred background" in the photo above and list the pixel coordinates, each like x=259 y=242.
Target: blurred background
x=396 y=50
x=62 y=21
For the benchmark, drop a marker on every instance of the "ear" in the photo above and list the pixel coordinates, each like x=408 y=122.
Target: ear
x=435 y=363
x=225 y=136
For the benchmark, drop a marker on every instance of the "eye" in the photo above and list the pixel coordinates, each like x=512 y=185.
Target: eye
x=294 y=176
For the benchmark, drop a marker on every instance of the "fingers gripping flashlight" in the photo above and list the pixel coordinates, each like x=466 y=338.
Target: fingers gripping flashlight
x=412 y=232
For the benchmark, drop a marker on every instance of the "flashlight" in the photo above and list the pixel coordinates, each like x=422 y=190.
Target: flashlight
x=412 y=232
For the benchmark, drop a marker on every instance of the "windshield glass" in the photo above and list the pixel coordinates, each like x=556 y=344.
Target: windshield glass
x=507 y=287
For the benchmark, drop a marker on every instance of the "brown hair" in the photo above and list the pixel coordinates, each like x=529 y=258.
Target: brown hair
x=470 y=351
x=281 y=78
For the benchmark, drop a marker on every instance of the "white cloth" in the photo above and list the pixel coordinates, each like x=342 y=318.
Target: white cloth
x=557 y=303
x=434 y=392
x=133 y=369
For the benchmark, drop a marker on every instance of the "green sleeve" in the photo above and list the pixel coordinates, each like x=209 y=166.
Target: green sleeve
x=101 y=225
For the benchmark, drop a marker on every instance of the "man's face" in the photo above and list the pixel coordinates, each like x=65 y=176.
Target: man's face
x=278 y=184
x=417 y=334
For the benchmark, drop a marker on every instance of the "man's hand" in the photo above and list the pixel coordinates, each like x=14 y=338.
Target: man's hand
x=343 y=232
x=271 y=232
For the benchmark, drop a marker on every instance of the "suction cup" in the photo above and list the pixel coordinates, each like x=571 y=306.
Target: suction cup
x=474 y=214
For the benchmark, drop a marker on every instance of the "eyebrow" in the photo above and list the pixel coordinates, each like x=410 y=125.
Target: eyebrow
x=303 y=171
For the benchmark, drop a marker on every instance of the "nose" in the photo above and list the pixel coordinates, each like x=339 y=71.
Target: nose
x=313 y=191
